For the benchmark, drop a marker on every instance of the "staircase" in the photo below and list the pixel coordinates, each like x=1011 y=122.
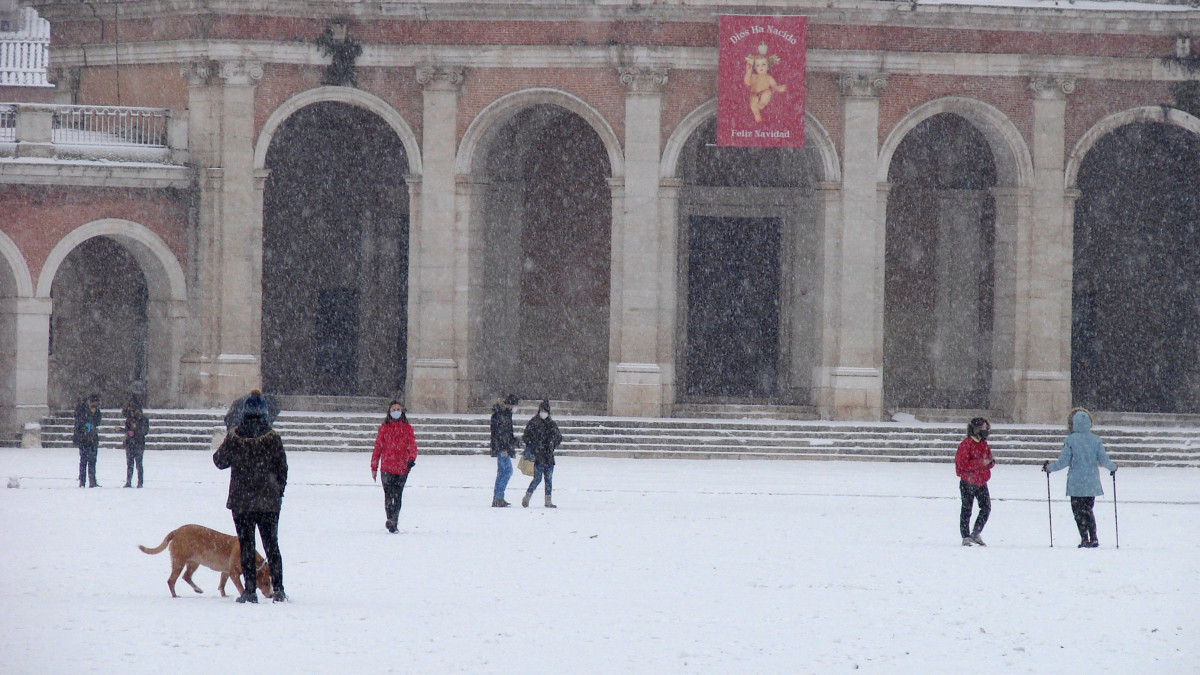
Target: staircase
x=666 y=438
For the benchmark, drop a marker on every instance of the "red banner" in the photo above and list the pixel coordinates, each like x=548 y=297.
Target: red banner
x=760 y=85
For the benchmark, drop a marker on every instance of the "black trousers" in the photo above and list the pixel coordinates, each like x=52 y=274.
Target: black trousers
x=267 y=523
x=393 y=494
x=971 y=493
x=133 y=458
x=1085 y=518
x=87 y=464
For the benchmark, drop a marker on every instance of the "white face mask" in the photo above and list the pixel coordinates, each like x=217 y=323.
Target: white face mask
x=543 y=414
x=396 y=414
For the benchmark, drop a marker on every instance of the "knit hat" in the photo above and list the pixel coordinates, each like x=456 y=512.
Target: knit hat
x=511 y=399
x=255 y=405
x=545 y=405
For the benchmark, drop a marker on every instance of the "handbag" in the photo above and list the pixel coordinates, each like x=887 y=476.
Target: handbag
x=525 y=466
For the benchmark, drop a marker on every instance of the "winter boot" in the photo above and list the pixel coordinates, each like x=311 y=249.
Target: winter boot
x=391 y=526
x=248 y=596
x=978 y=542
x=495 y=503
x=967 y=541
x=548 y=504
x=525 y=499
x=279 y=596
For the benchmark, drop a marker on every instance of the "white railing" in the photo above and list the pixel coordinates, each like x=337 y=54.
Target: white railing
x=8 y=123
x=110 y=125
x=23 y=59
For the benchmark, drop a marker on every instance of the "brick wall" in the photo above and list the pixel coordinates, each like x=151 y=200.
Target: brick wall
x=37 y=218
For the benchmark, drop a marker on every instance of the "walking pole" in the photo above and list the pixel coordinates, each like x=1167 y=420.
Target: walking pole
x=1116 y=523
x=1050 y=511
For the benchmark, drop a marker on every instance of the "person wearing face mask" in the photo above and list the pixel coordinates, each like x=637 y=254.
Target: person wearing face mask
x=542 y=437
x=395 y=454
x=973 y=463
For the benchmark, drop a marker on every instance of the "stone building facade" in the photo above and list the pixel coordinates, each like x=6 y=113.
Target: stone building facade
x=527 y=197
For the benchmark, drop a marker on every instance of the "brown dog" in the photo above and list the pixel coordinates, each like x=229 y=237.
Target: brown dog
x=195 y=545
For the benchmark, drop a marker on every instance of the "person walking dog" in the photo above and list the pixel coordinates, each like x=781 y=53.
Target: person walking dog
x=973 y=463
x=396 y=454
x=258 y=476
x=503 y=446
x=543 y=437
x=1082 y=454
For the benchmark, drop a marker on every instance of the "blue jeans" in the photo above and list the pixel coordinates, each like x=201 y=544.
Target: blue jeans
x=503 y=473
x=540 y=470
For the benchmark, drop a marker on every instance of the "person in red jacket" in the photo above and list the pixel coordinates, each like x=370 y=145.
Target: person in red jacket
x=395 y=453
x=973 y=463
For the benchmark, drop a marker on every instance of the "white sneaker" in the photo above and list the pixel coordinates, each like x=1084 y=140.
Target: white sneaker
x=967 y=541
x=975 y=538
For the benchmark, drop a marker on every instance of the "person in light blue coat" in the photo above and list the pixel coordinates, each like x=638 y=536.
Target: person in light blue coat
x=1082 y=453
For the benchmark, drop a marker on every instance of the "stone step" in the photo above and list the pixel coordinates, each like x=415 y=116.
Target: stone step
x=663 y=438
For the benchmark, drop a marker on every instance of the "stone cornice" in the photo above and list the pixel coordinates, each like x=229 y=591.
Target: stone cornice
x=66 y=173
x=440 y=78
x=642 y=79
x=675 y=58
x=1148 y=17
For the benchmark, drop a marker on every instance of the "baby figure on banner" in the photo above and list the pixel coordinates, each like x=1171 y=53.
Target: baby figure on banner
x=760 y=81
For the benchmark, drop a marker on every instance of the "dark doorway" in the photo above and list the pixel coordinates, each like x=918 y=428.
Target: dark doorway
x=546 y=234
x=1135 y=329
x=98 y=327
x=733 y=307
x=335 y=255
x=939 y=282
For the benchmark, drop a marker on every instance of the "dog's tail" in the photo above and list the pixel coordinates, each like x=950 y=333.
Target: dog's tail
x=166 y=540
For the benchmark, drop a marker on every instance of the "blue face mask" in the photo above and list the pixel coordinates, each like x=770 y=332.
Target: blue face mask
x=396 y=414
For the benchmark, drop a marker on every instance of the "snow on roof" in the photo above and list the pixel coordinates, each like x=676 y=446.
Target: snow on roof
x=23 y=53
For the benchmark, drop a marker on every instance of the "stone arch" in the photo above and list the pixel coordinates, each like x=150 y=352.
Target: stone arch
x=166 y=301
x=348 y=95
x=11 y=254
x=164 y=275
x=1014 y=164
x=491 y=118
x=1149 y=113
x=814 y=133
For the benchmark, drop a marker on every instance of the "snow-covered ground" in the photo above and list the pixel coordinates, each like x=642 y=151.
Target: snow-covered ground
x=646 y=566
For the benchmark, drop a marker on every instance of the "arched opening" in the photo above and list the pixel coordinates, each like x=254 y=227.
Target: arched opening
x=335 y=255
x=98 y=325
x=1135 y=329
x=544 y=209
x=748 y=272
x=8 y=347
x=939 y=271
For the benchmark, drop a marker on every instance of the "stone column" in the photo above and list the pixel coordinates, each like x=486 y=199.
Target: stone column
x=433 y=262
x=1044 y=385
x=637 y=387
x=31 y=361
x=669 y=289
x=854 y=254
x=1010 y=254
x=238 y=238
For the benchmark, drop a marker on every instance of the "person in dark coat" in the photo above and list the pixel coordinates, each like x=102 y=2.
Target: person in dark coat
x=135 y=430
x=258 y=477
x=542 y=438
x=973 y=463
x=396 y=454
x=233 y=416
x=1082 y=454
x=503 y=446
x=86 y=437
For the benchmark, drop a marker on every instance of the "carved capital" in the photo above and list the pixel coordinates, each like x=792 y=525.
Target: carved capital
x=245 y=73
x=198 y=72
x=862 y=85
x=440 y=78
x=1051 y=86
x=642 y=80
x=64 y=77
